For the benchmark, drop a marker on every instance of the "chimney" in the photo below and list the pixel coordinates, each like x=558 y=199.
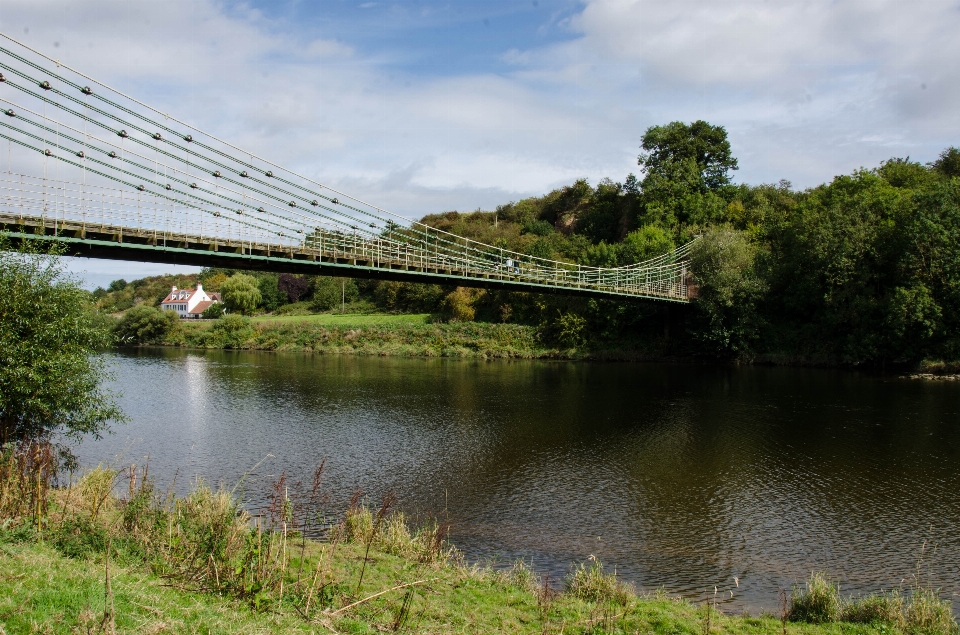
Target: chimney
x=174 y=290
x=199 y=287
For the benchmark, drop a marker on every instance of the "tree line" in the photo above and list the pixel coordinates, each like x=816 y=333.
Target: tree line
x=863 y=269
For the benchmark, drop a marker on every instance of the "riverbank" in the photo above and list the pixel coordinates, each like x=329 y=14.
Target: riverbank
x=43 y=591
x=387 y=335
x=82 y=559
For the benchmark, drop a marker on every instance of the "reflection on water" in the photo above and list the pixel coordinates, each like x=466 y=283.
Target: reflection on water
x=677 y=475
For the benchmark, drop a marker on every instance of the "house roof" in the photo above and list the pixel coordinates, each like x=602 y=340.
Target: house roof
x=201 y=307
x=174 y=296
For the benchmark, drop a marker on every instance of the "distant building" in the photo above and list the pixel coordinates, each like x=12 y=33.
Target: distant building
x=189 y=303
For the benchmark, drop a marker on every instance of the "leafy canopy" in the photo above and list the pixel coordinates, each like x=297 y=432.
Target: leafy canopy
x=50 y=378
x=241 y=293
x=699 y=145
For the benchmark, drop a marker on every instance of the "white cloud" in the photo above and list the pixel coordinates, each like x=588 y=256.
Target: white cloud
x=807 y=89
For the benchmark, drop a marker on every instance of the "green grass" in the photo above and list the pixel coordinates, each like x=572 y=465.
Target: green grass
x=346 y=319
x=42 y=591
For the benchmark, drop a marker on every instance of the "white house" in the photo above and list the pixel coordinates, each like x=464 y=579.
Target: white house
x=189 y=303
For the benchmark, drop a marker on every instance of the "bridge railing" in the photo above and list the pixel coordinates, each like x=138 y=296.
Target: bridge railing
x=165 y=219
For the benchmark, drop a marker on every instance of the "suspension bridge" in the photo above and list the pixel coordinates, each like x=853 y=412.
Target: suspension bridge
x=108 y=176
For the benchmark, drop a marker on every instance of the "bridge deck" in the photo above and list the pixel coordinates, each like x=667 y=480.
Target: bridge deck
x=118 y=242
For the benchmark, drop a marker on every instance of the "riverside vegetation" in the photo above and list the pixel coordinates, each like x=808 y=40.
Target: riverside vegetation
x=81 y=558
x=863 y=270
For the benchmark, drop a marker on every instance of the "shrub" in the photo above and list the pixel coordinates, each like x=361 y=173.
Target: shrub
x=232 y=330
x=214 y=311
x=79 y=537
x=145 y=325
x=427 y=543
x=458 y=305
x=927 y=614
x=817 y=604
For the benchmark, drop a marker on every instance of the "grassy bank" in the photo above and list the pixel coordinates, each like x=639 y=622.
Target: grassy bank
x=393 y=335
x=350 y=320
x=81 y=558
x=42 y=591
x=399 y=335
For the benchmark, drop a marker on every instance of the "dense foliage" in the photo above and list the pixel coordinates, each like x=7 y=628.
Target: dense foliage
x=50 y=381
x=145 y=324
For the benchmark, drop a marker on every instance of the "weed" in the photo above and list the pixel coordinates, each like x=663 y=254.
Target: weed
x=926 y=614
x=884 y=608
x=27 y=472
x=589 y=582
x=818 y=603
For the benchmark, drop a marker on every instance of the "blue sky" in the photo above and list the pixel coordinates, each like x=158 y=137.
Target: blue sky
x=423 y=106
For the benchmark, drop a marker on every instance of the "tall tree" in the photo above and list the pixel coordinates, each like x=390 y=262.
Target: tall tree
x=704 y=145
x=687 y=168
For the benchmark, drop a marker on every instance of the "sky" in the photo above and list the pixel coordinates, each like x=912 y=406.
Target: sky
x=426 y=106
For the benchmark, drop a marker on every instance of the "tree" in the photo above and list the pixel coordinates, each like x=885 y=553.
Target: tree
x=700 y=144
x=687 y=170
x=50 y=376
x=271 y=298
x=724 y=264
x=240 y=293
x=329 y=293
x=117 y=285
x=948 y=163
x=145 y=325
x=645 y=243
x=294 y=286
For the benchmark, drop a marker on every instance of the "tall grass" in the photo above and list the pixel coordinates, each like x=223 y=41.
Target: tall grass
x=27 y=472
x=918 y=611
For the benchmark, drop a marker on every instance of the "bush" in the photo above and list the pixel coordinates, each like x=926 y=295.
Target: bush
x=817 y=604
x=458 y=305
x=214 y=311
x=926 y=613
x=145 y=325
x=232 y=330
x=568 y=330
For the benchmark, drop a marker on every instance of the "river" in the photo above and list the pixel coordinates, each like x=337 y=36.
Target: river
x=693 y=478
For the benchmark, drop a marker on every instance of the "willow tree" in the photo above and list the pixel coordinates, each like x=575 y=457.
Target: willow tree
x=51 y=380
